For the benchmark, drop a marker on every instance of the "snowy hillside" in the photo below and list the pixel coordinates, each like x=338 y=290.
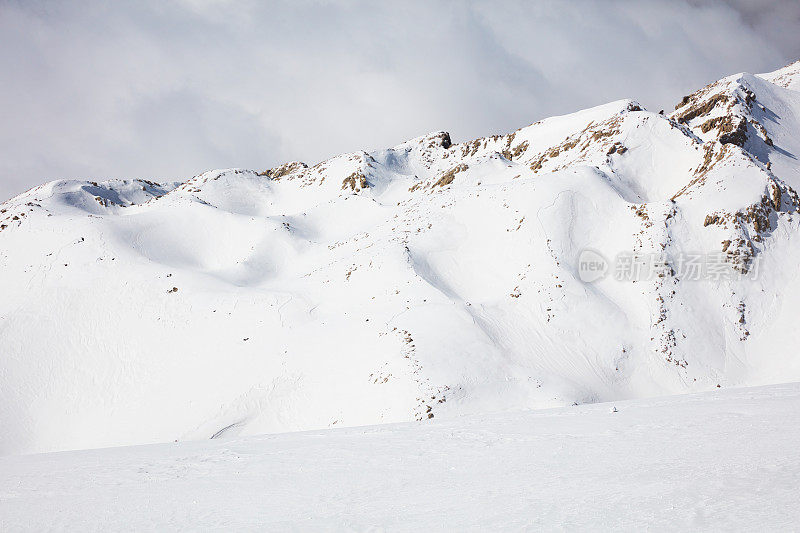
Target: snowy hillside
x=715 y=461
x=427 y=280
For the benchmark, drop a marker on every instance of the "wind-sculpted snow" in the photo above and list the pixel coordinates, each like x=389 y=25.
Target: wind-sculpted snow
x=423 y=281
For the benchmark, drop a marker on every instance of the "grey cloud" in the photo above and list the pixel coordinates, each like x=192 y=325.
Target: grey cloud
x=168 y=89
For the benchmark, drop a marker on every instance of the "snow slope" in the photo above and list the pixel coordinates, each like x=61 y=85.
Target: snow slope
x=423 y=281
x=719 y=461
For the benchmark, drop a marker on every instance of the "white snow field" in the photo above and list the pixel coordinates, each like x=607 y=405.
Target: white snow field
x=422 y=282
x=714 y=461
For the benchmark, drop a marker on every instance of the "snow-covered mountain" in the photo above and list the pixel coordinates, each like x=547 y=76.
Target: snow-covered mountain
x=431 y=279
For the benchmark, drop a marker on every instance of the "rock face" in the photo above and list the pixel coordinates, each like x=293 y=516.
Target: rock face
x=427 y=280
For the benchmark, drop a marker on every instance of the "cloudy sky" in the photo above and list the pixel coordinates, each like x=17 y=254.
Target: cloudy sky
x=171 y=88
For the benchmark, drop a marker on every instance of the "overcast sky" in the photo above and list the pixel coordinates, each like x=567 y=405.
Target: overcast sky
x=169 y=89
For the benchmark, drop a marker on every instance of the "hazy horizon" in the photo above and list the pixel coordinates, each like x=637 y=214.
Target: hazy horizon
x=167 y=90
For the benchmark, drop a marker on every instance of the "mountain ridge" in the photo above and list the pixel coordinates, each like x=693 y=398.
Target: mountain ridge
x=431 y=279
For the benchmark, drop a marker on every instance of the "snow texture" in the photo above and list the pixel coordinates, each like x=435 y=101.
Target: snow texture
x=718 y=461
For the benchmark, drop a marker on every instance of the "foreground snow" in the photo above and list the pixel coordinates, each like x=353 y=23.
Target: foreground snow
x=710 y=461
